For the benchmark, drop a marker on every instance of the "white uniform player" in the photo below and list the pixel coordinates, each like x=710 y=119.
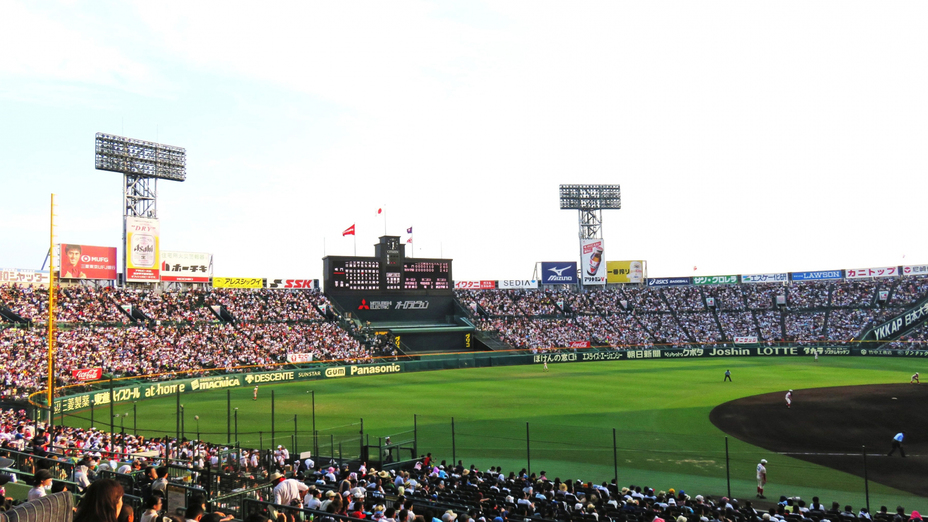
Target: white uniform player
x=761 y=478
x=789 y=398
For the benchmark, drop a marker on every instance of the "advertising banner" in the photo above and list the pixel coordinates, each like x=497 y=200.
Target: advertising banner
x=564 y=273
x=912 y=270
x=579 y=344
x=299 y=357
x=238 y=282
x=143 y=250
x=475 y=285
x=668 y=281
x=900 y=323
x=625 y=272
x=765 y=278
x=524 y=284
x=87 y=374
x=715 y=280
x=15 y=276
x=186 y=267
x=862 y=273
x=746 y=339
x=817 y=276
x=87 y=262
x=591 y=259
x=289 y=284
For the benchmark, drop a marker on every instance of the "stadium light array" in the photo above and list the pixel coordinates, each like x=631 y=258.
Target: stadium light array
x=144 y=159
x=590 y=197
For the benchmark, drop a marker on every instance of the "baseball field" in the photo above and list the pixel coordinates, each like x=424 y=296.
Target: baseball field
x=661 y=423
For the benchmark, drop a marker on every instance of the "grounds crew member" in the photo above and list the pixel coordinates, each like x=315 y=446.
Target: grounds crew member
x=897 y=445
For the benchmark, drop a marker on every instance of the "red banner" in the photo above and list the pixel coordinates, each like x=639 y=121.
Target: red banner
x=87 y=374
x=87 y=262
x=579 y=344
x=475 y=285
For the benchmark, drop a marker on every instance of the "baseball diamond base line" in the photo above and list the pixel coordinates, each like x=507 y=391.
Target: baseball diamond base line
x=833 y=427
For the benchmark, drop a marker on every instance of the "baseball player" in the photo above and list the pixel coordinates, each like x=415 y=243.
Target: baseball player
x=914 y=379
x=256 y=394
x=789 y=398
x=727 y=376
x=546 y=365
x=761 y=478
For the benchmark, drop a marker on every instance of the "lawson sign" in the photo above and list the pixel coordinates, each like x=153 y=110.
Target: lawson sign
x=817 y=276
x=564 y=273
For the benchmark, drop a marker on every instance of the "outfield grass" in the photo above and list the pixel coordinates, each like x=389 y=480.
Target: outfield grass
x=659 y=409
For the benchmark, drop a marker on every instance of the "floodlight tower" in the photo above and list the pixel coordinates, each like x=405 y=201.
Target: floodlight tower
x=142 y=164
x=590 y=201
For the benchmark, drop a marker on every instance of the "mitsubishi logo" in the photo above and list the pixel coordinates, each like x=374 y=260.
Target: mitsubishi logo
x=364 y=305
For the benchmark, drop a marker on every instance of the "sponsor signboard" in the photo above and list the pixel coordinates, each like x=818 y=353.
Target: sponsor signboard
x=765 y=278
x=186 y=267
x=143 y=250
x=901 y=322
x=579 y=344
x=862 y=273
x=715 y=280
x=912 y=270
x=564 y=273
x=524 y=284
x=474 y=285
x=745 y=339
x=287 y=284
x=625 y=272
x=238 y=282
x=299 y=357
x=592 y=261
x=816 y=276
x=668 y=281
x=16 y=276
x=87 y=262
x=87 y=374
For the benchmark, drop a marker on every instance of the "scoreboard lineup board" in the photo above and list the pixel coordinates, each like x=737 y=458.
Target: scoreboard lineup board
x=354 y=274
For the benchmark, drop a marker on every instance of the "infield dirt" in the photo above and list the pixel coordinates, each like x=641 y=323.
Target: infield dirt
x=831 y=426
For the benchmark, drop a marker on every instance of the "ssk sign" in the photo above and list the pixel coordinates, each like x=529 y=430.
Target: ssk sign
x=87 y=374
x=292 y=283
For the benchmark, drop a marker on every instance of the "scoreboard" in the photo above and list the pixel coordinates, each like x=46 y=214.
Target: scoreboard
x=390 y=270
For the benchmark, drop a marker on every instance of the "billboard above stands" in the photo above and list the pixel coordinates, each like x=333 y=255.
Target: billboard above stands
x=523 y=284
x=862 y=273
x=765 y=278
x=186 y=267
x=475 y=285
x=817 y=276
x=15 y=276
x=292 y=284
x=238 y=282
x=668 y=281
x=715 y=280
x=592 y=256
x=914 y=270
x=143 y=251
x=87 y=262
x=625 y=272
x=564 y=273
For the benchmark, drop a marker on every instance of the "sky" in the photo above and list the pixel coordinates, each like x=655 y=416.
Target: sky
x=747 y=137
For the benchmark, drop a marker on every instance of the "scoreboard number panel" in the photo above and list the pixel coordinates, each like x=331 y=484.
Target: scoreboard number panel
x=427 y=275
x=355 y=274
x=389 y=270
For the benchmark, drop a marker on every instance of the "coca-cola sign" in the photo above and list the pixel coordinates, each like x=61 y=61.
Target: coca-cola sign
x=580 y=344
x=87 y=374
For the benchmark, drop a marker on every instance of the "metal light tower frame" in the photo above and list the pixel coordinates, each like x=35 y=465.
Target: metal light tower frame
x=590 y=201
x=142 y=164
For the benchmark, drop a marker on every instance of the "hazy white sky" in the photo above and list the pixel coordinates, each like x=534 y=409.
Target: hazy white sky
x=748 y=137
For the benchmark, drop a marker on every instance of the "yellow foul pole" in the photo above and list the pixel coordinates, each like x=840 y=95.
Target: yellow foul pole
x=52 y=302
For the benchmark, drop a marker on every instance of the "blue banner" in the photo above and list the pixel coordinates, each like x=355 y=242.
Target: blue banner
x=564 y=273
x=817 y=276
x=668 y=281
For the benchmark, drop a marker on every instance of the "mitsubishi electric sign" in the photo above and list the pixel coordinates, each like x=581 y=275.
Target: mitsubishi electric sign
x=564 y=273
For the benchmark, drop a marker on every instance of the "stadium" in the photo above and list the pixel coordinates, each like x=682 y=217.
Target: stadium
x=222 y=348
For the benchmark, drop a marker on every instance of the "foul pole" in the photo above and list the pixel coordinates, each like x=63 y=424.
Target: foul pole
x=52 y=301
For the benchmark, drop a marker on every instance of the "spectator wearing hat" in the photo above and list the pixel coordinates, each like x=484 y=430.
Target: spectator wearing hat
x=42 y=480
x=287 y=492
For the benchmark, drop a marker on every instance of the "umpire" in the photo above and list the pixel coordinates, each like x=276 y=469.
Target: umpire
x=897 y=445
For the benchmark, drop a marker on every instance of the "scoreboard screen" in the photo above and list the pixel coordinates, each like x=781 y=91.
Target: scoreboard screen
x=364 y=274
x=354 y=274
x=427 y=275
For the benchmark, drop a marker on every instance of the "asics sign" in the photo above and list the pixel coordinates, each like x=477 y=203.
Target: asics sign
x=559 y=273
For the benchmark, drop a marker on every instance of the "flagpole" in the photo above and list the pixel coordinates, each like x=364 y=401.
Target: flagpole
x=354 y=238
x=384 y=220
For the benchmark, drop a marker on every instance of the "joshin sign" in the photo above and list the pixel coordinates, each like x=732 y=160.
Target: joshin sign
x=593 y=262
